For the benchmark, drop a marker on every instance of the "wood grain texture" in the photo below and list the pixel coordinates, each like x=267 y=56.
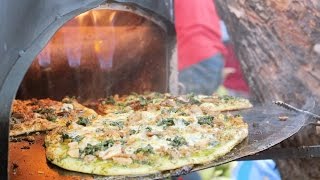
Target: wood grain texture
x=278 y=42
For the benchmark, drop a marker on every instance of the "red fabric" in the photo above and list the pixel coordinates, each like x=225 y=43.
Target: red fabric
x=198 y=31
x=234 y=81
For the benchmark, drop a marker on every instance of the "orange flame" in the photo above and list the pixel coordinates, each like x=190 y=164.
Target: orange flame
x=112 y=16
x=97 y=46
x=80 y=18
x=95 y=16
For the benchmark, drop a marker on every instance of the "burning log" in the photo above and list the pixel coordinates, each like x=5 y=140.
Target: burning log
x=278 y=44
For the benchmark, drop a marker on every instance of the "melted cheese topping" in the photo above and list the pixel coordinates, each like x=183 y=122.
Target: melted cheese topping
x=161 y=125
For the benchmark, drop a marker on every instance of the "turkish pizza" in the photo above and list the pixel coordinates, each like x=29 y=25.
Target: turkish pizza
x=147 y=134
x=45 y=114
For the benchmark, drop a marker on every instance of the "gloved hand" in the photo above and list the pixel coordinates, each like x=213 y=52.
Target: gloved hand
x=204 y=77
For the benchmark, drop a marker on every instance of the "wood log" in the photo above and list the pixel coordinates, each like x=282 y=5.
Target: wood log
x=278 y=44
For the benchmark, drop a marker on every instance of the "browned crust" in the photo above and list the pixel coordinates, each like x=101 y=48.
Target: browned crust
x=24 y=120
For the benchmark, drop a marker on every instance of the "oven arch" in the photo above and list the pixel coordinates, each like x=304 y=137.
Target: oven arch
x=24 y=36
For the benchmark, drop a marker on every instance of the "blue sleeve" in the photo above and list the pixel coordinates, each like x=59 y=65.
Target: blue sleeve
x=204 y=77
x=256 y=170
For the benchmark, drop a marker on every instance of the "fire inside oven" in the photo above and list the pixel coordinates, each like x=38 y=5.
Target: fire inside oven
x=96 y=54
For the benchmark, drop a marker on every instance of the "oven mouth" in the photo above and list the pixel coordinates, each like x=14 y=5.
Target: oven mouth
x=111 y=49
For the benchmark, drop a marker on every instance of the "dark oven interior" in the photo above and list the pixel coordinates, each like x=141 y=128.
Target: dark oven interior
x=82 y=49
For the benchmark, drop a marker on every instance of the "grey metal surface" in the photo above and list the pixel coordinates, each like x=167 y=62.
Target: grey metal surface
x=286 y=153
x=265 y=131
x=294 y=109
x=164 y=8
x=25 y=27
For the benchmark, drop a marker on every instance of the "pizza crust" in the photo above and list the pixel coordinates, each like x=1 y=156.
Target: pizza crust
x=224 y=107
x=34 y=125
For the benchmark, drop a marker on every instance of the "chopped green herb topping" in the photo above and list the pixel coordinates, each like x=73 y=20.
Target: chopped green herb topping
x=166 y=122
x=146 y=150
x=44 y=111
x=65 y=136
x=205 y=120
x=149 y=129
x=108 y=100
x=132 y=131
x=180 y=102
x=178 y=141
x=227 y=98
x=173 y=110
x=143 y=101
x=83 y=121
x=226 y=117
x=51 y=117
x=170 y=110
x=120 y=111
x=78 y=138
x=48 y=113
x=123 y=142
x=183 y=114
x=119 y=124
x=192 y=99
x=120 y=104
x=185 y=122
x=92 y=149
x=107 y=144
x=163 y=111
x=158 y=95
x=99 y=130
